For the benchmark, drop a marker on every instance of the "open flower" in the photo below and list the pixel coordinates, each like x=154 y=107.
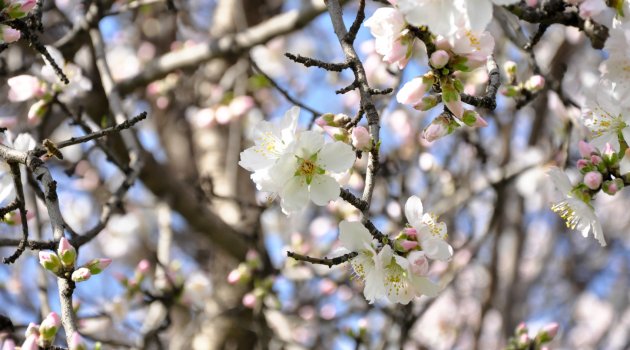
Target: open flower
x=578 y=214
x=387 y=25
x=365 y=266
x=607 y=116
x=271 y=141
x=23 y=142
x=303 y=174
x=431 y=234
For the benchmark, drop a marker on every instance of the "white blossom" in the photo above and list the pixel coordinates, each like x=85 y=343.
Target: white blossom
x=304 y=173
x=271 y=141
x=431 y=233
x=578 y=214
x=607 y=115
x=23 y=142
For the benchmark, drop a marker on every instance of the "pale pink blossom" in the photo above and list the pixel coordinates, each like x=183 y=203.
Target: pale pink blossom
x=361 y=138
x=249 y=300
x=585 y=149
x=8 y=34
x=24 y=87
x=413 y=91
x=439 y=59
x=590 y=8
x=418 y=262
x=241 y=105
x=387 y=25
x=535 y=83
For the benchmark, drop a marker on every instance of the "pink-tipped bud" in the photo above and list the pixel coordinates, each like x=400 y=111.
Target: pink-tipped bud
x=439 y=59
x=234 y=276
x=97 y=266
x=66 y=252
x=427 y=103
x=143 y=266
x=76 y=342
x=552 y=329
x=473 y=119
x=48 y=328
x=410 y=232
x=408 y=245
x=413 y=91
x=8 y=34
x=418 y=263
x=593 y=179
x=581 y=164
x=521 y=328
x=81 y=274
x=586 y=149
x=596 y=159
x=361 y=138
x=50 y=261
x=535 y=83
x=38 y=110
x=523 y=339
x=249 y=300
x=252 y=258
x=438 y=128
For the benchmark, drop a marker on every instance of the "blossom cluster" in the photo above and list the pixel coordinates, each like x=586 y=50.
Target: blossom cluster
x=46 y=86
x=397 y=270
x=300 y=165
x=13 y=10
x=605 y=160
x=458 y=42
x=62 y=263
x=523 y=341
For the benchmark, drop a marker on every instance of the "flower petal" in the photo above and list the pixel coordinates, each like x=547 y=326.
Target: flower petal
x=424 y=286
x=561 y=180
x=437 y=249
x=353 y=235
x=336 y=157
x=253 y=160
x=324 y=189
x=413 y=211
x=294 y=195
x=309 y=142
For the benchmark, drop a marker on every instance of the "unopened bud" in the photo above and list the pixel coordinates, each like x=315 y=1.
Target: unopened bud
x=361 y=139
x=8 y=34
x=548 y=333
x=510 y=69
x=81 y=274
x=439 y=59
x=438 y=128
x=50 y=261
x=611 y=187
x=535 y=83
x=249 y=300
x=407 y=245
x=97 y=266
x=593 y=179
x=521 y=328
x=66 y=252
x=48 y=328
x=30 y=343
x=38 y=110
x=410 y=232
x=581 y=164
x=143 y=266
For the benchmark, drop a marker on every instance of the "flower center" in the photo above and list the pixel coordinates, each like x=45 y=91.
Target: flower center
x=604 y=122
x=307 y=168
x=269 y=145
x=474 y=41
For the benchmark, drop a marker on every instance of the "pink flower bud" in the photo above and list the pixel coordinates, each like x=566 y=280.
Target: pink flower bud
x=81 y=274
x=535 y=83
x=8 y=34
x=523 y=339
x=438 y=128
x=593 y=179
x=408 y=245
x=361 y=138
x=412 y=92
x=48 y=328
x=249 y=300
x=581 y=164
x=143 y=266
x=97 y=266
x=439 y=59
x=418 y=263
x=76 y=342
x=551 y=329
x=410 y=232
x=50 y=261
x=66 y=252
x=531 y=3
x=234 y=276
x=596 y=159
x=521 y=328
x=38 y=110
x=586 y=149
